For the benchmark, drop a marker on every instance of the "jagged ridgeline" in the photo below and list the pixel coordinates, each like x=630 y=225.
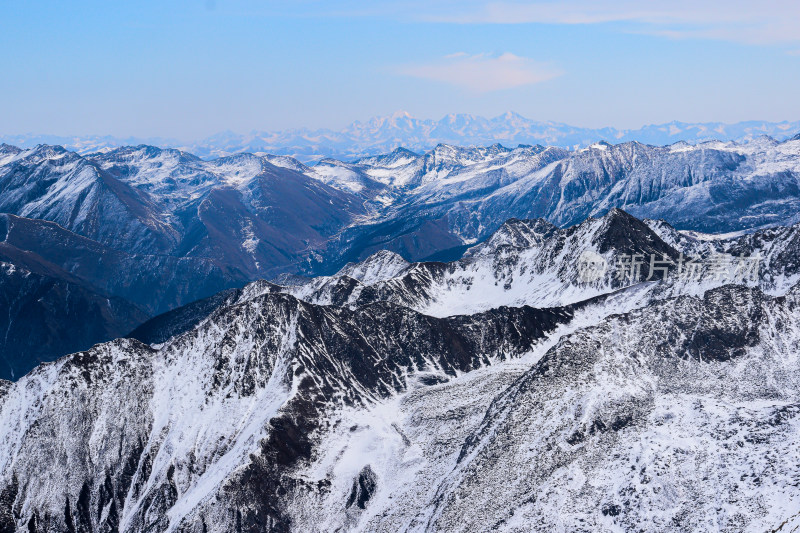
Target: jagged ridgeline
x=119 y=236
x=504 y=391
x=223 y=414
x=383 y=134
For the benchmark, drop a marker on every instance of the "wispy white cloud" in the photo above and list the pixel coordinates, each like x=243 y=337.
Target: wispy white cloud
x=744 y=21
x=482 y=73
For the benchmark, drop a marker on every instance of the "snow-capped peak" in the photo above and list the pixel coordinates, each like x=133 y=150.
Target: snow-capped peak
x=380 y=266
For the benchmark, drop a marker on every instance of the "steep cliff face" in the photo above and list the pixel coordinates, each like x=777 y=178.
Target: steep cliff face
x=210 y=427
x=508 y=390
x=279 y=415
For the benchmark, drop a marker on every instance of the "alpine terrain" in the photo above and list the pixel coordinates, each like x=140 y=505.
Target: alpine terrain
x=259 y=301
x=510 y=390
x=125 y=234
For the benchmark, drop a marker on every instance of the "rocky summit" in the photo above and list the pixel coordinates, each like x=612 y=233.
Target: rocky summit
x=140 y=230
x=502 y=391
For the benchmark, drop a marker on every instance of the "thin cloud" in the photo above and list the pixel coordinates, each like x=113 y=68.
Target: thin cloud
x=744 y=21
x=482 y=73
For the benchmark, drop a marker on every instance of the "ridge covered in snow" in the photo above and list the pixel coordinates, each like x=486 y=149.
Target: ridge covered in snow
x=384 y=134
x=648 y=403
x=184 y=228
x=460 y=325
x=535 y=263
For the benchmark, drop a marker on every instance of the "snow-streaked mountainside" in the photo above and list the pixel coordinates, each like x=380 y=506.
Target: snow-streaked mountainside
x=264 y=375
x=383 y=134
x=503 y=391
x=533 y=263
x=435 y=204
x=155 y=228
x=266 y=215
x=160 y=228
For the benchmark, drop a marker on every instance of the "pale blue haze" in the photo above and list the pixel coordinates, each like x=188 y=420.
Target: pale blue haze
x=188 y=69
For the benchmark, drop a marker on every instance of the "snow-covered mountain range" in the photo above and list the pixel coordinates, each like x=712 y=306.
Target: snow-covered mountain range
x=503 y=391
x=384 y=134
x=152 y=229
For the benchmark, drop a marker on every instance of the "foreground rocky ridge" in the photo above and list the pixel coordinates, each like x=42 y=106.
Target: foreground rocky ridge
x=328 y=406
x=627 y=424
x=208 y=428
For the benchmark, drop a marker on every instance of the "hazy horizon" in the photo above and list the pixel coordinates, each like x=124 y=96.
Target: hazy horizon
x=354 y=122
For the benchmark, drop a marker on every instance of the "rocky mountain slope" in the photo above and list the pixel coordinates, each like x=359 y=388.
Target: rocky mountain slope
x=632 y=424
x=45 y=316
x=532 y=262
x=149 y=201
x=662 y=404
x=712 y=187
x=263 y=374
x=268 y=215
x=160 y=228
x=150 y=230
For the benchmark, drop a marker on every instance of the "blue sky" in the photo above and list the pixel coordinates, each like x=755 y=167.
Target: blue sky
x=189 y=68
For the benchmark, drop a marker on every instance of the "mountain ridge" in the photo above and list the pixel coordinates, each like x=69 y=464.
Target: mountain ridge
x=384 y=134
x=161 y=228
x=450 y=413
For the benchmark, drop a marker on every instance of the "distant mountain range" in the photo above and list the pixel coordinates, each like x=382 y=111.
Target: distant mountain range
x=384 y=134
x=119 y=236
